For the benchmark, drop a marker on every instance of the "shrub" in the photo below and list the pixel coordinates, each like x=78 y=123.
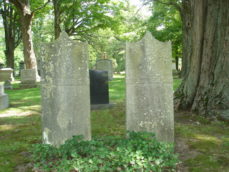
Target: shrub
x=138 y=152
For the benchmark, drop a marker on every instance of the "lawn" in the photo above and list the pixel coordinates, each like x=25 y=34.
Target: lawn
x=203 y=145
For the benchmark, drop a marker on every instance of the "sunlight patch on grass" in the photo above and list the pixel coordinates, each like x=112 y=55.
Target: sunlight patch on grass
x=119 y=76
x=208 y=138
x=6 y=127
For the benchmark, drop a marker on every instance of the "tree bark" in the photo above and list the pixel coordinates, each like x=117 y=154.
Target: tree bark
x=9 y=52
x=12 y=33
x=57 y=19
x=205 y=87
x=26 y=17
x=9 y=43
x=26 y=29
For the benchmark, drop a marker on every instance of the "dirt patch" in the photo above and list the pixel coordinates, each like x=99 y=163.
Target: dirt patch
x=184 y=152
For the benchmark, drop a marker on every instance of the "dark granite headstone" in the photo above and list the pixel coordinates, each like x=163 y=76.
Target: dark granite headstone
x=99 y=90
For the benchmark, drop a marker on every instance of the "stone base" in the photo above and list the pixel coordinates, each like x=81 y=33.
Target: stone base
x=8 y=85
x=101 y=106
x=29 y=85
x=4 y=101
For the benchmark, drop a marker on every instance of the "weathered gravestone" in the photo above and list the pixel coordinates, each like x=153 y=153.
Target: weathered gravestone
x=4 y=101
x=149 y=92
x=105 y=65
x=29 y=77
x=99 y=91
x=65 y=90
x=6 y=76
x=21 y=67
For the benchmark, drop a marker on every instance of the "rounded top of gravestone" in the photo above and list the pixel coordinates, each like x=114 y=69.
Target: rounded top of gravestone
x=149 y=37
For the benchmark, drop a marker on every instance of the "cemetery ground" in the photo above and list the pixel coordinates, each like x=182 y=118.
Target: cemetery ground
x=202 y=144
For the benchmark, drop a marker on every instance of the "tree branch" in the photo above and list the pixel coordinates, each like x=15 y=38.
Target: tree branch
x=17 y=3
x=178 y=7
x=42 y=6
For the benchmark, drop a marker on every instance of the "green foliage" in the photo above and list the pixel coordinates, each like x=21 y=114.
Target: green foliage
x=126 y=25
x=140 y=151
x=82 y=18
x=165 y=24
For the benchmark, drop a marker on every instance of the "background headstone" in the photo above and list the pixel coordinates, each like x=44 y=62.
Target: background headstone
x=149 y=91
x=4 y=101
x=6 y=76
x=105 y=65
x=29 y=77
x=65 y=90
x=99 y=90
x=21 y=67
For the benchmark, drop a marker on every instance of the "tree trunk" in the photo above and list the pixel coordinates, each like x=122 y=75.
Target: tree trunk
x=9 y=43
x=177 y=60
x=26 y=17
x=9 y=52
x=57 y=20
x=205 y=87
x=10 y=27
x=26 y=29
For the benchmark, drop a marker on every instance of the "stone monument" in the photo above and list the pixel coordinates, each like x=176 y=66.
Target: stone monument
x=4 y=101
x=6 y=76
x=105 y=65
x=29 y=77
x=21 y=67
x=149 y=88
x=65 y=90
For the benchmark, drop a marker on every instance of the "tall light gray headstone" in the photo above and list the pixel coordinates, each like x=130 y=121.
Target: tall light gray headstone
x=4 y=101
x=149 y=91
x=106 y=65
x=65 y=90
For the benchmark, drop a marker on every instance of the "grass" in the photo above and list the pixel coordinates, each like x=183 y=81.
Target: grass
x=20 y=127
x=208 y=139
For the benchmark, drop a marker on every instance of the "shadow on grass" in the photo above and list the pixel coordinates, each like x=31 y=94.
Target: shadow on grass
x=17 y=134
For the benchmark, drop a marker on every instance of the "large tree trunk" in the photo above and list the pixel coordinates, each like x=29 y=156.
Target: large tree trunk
x=26 y=29
x=9 y=52
x=26 y=17
x=12 y=35
x=57 y=20
x=205 y=87
x=9 y=42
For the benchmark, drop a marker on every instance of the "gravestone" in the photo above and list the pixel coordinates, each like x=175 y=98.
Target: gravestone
x=6 y=76
x=4 y=101
x=99 y=91
x=21 y=67
x=29 y=77
x=106 y=65
x=65 y=90
x=149 y=91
